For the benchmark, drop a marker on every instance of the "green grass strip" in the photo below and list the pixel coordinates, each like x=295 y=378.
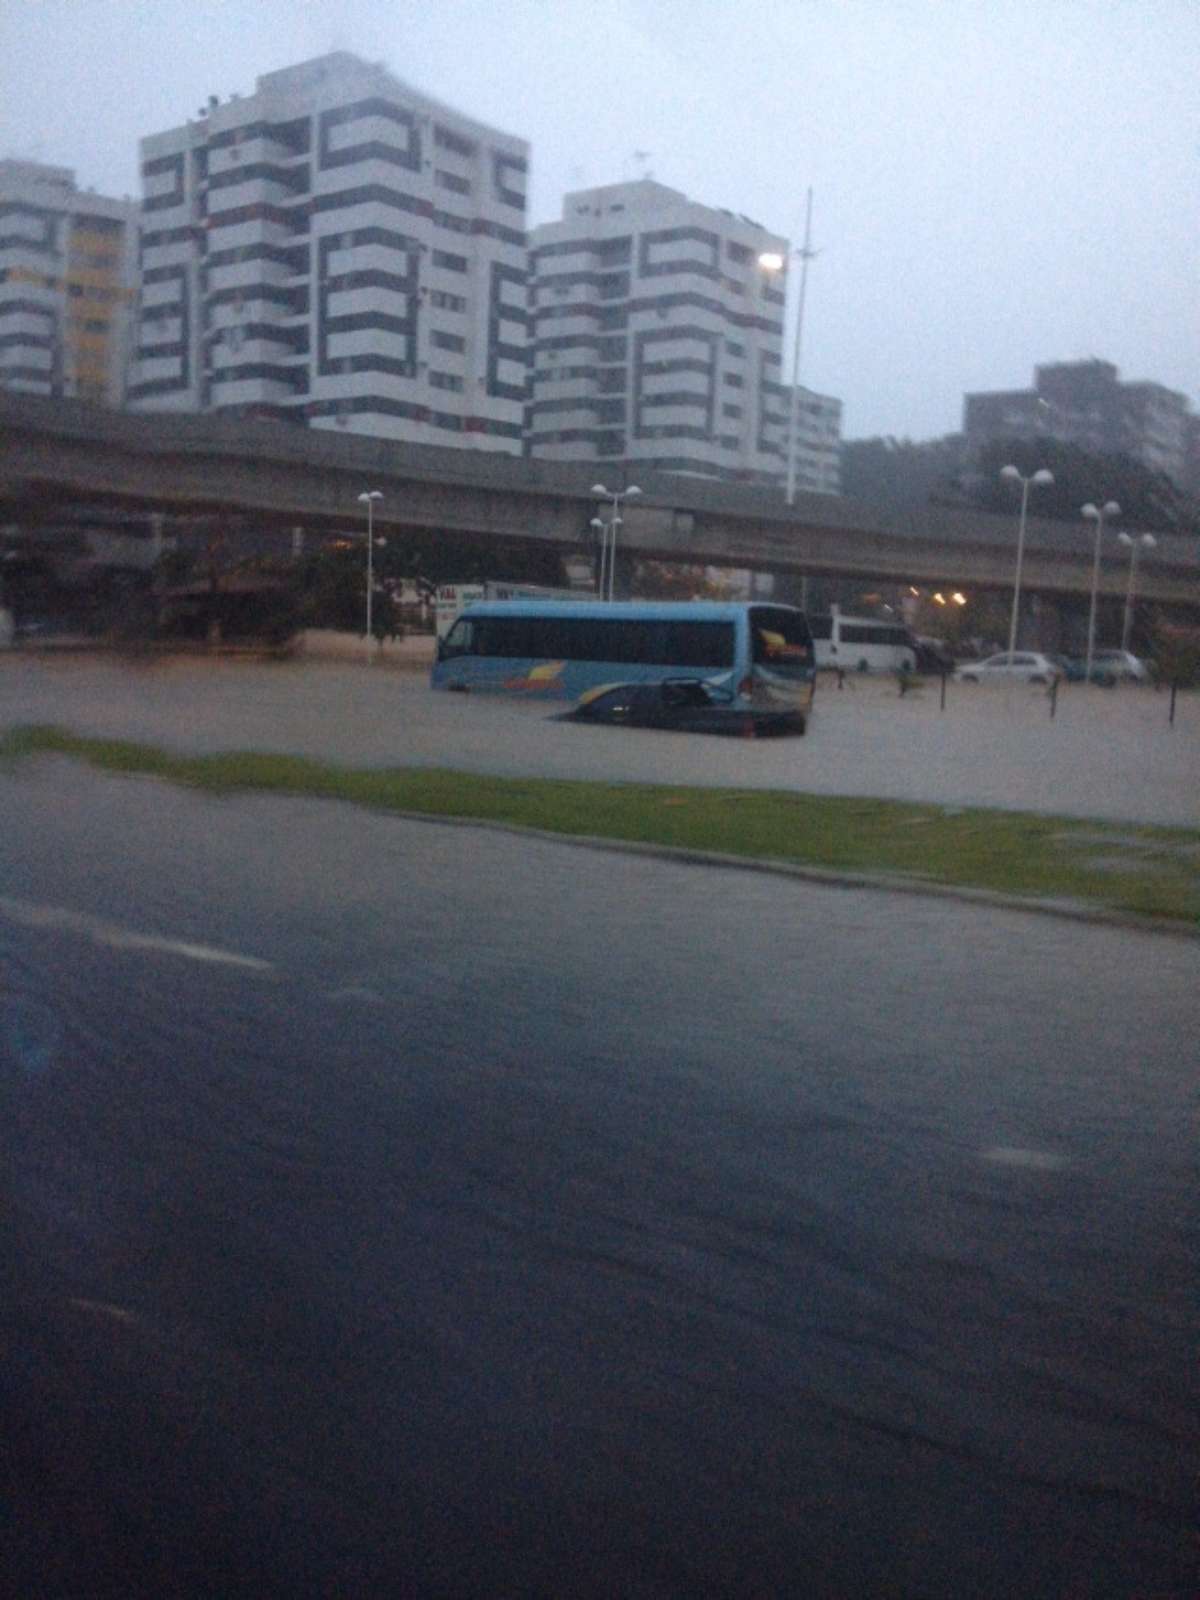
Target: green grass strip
x=1148 y=871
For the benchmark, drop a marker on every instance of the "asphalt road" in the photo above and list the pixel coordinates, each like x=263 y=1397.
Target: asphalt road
x=1109 y=754
x=393 y=1208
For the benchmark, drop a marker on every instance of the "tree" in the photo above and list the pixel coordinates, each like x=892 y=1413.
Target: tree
x=333 y=593
x=673 y=580
x=1176 y=654
x=1148 y=499
x=900 y=475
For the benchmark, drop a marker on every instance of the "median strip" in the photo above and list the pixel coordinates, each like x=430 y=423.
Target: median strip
x=922 y=848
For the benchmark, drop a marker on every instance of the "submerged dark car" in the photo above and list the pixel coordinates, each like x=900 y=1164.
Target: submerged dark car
x=682 y=705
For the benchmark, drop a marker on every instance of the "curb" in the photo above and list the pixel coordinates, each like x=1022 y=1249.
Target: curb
x=685 y=855
x=826 y=877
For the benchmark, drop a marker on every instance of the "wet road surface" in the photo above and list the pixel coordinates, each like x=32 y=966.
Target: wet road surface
x=391 y=1208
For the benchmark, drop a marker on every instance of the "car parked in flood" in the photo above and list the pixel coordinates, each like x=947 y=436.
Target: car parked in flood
x=1009 y=666
x=1123 y=664
x=683 y=705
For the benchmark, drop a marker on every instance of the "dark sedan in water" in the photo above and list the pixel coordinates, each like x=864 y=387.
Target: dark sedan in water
x=683 y=705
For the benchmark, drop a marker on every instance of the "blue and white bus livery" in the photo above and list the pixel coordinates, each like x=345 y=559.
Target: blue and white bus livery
x=749 y=657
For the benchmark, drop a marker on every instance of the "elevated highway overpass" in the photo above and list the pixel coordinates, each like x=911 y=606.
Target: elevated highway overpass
x=54 y=452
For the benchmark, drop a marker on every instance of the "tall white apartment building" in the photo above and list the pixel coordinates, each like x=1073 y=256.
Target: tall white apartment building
x=67 y=276
x=656 y=335
x=340 y=250
x=818 y=441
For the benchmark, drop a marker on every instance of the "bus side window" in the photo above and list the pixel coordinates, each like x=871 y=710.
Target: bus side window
x=459 y=641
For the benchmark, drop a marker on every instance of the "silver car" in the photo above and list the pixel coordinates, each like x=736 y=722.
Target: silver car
x=1121 y=664
x=1021 y=666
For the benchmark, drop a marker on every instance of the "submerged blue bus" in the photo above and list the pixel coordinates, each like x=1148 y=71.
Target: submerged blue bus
x=749 y=657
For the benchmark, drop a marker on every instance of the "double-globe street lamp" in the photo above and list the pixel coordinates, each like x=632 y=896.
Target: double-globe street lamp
x=1043 y=476
x=1142 y=541
x=608 y=545
x=368 y=499
x=1098 y=515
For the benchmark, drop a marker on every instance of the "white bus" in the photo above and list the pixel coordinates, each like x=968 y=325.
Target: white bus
x=452 y=598
x=861 y=644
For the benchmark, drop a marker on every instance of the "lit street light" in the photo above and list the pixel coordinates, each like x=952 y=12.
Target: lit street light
x=368 y=499
x=1144 y=541
x=1011 y=475
x=1110 y=508
x=772 y=261
x=614 y=522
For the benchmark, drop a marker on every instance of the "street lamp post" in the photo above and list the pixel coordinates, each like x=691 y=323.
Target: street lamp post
x=368 y=499
x=1144 y=541
x=1011 y=475
x=605 y=530
x=615 y=520
x=772 y=262
x=1096 y=514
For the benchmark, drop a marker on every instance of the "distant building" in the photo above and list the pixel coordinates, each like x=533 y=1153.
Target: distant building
x=1084 y=403
x=1191 y=456
x=339 y=250
x=67 y=273
x=656 y=335
x=818 y=441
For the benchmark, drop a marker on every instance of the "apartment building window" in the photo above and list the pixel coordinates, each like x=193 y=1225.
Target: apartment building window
x=448 y=341
x=734 y=348
x=735 y=380
x=446 y=140
x=612 y=252
x=446 y=380
x=731 y=411
x=451 y=263
x=447 y=302
x=451 y=180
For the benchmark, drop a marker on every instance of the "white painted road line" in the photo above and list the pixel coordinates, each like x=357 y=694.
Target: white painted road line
x=28 y=914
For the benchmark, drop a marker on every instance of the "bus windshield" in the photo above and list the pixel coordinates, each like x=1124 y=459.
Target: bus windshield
x=781 y=641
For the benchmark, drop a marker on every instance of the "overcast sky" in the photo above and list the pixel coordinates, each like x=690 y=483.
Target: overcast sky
x=998 y=182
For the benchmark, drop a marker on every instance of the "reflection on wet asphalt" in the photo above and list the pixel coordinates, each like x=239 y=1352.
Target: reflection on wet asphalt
x=390 y=1208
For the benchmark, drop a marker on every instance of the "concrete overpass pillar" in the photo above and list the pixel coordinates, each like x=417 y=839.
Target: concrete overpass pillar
x=791 y=589
x=1040 y=625
x=623 y=573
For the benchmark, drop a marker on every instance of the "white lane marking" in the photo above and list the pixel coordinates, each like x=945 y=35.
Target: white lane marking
x=103 y=1308
x=356 y=992
x=1012 y=1156
x=30 y=915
